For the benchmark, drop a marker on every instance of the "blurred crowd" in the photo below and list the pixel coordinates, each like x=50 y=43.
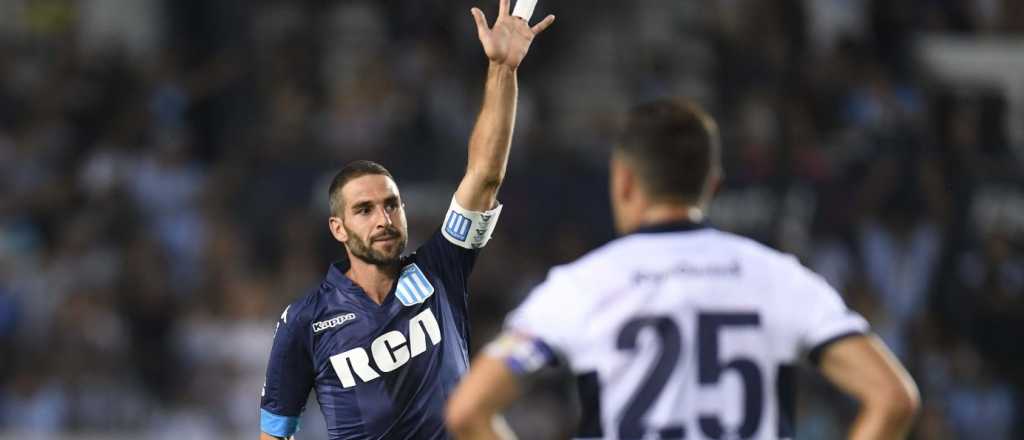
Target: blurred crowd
x=164 y=168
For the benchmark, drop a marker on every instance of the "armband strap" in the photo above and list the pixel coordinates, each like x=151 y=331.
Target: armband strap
x=469 y=229
x=523 y=355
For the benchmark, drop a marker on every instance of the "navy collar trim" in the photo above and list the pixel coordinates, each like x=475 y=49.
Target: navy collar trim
x=336 y=274
x=674 y=226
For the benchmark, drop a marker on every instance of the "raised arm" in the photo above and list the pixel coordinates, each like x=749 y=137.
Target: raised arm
x=505 y=44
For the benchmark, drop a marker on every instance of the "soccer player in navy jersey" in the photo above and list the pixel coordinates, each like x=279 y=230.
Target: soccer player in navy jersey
x=383 y=340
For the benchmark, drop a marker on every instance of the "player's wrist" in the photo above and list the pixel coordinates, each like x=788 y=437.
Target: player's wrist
x=496 y=67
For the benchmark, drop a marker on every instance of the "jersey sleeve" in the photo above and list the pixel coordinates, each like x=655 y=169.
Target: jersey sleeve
x=454 y=261
x=543 y=326
x=289 y=377
x=452 y=250
x=819 y=314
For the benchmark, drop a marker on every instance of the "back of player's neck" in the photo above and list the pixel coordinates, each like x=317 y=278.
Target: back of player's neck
x=661 y=213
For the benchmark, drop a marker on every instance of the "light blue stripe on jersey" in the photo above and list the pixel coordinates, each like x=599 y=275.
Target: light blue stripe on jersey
x=404 y=293
x=422 y=286
x=278 y=426
x=401 y=293
x=410 y=290
x=413 y=287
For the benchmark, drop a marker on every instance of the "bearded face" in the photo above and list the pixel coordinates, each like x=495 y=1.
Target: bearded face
x=371 y=220
x=381 y=249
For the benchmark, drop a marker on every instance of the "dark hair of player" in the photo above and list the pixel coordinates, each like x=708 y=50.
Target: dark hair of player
x=673 y=146
x=352 y=170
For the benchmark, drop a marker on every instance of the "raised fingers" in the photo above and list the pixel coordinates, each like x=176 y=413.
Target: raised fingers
x=539 y=27
x=481 y=21
x=503 y=7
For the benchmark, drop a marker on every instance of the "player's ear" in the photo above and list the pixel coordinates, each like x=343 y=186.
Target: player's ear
x=714 y=183
x=623 y=180
x=337 y=229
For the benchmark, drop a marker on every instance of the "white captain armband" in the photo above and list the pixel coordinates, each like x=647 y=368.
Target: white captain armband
x=522 y=354
x=469 y=229
x=524 y=9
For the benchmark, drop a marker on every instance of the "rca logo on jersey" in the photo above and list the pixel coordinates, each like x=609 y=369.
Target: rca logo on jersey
x=333 y=322
x=390 y=351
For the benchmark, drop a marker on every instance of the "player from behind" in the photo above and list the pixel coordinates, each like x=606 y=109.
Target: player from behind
x=676 y=330
x=383 y=341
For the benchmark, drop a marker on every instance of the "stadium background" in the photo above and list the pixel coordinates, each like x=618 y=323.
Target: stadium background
x=164 y=164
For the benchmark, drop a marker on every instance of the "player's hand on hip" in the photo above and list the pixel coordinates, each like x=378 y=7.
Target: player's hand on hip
x=507 y=42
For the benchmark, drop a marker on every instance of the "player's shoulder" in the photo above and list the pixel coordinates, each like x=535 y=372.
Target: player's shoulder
x=303 y=310
x=602 y=268
x=641 y=247
x=435 y=250
x=756 y=251
x=709 y=242
x=778 y=268
x=758 y=259
x=604 y=259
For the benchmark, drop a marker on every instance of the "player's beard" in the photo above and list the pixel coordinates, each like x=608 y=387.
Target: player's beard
x=365 y=251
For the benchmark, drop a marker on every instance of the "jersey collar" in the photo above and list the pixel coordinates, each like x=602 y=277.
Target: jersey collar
x=336 y=274
x=673 y=226
x=337 y=278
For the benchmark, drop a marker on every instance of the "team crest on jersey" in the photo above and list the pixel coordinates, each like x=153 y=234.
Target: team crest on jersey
x=457 y=225
x=413 y=287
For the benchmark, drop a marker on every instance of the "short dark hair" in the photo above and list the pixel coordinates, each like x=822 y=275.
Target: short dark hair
x=674 y=146
x=352 y=170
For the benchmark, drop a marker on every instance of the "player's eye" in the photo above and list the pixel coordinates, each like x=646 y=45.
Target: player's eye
x=362 y=210
x=391 y=206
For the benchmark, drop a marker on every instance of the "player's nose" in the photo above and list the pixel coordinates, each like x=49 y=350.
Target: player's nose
x=385 y=217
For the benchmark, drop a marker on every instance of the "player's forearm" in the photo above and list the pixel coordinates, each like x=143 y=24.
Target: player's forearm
x=491 y=139
x=474 y=429
x=883 y=420
x=483 y=427
x=472 y=412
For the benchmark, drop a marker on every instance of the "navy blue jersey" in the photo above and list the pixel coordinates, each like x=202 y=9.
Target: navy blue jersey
x=380 y=371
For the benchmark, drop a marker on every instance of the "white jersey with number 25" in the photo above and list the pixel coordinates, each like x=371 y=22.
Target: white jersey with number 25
x=685 y=333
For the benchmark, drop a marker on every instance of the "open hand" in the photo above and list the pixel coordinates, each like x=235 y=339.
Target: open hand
x=507 y=42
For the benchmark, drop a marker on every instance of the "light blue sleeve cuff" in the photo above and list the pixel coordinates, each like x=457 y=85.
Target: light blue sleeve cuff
x=278 y=426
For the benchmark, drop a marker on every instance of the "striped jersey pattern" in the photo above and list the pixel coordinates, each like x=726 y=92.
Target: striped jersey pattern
x=413 y=287
x=457 y=225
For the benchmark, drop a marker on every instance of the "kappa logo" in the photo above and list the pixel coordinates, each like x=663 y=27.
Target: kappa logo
x=284 y=314
x=333 y=322
x=390 y=351
x=284 y=318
